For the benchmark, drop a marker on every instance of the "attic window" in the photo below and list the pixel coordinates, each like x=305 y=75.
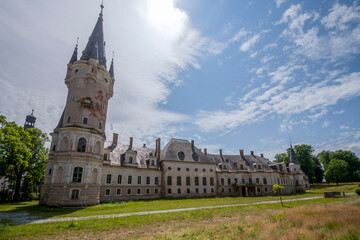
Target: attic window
x=195 y=156
x=181 y=155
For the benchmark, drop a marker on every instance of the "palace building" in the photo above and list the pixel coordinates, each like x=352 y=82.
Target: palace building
x=84 y=169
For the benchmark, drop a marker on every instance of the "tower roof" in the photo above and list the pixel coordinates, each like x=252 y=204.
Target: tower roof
x=293 y=158
x=111 y=70
x=74 y=55
x=96 y=45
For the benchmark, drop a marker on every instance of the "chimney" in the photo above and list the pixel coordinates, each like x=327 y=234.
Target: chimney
x=220 y=150
x=157 y=151
x=131 y=143
x=144 y=145
x=252 y=153
x=262 y=155
x=192 y=145
x=242 y=153
x=205 y=151
x=115 y=138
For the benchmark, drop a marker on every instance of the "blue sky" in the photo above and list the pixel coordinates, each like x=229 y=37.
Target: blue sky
x=229 y=74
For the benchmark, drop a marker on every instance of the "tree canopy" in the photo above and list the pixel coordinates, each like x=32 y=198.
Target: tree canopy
x=337 y=171
x=22 y=156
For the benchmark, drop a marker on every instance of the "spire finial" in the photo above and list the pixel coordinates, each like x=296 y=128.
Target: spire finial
x=112 y=56
x=32 y=112
x=77 y=41
x=102 y=7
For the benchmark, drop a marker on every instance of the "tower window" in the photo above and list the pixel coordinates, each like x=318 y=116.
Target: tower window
x=76 y=70
x=99 y=125
x=77 y=174
x=54 y=147
x=106 y=80
x=81 y=145
x=85 y=120
x=68 y=120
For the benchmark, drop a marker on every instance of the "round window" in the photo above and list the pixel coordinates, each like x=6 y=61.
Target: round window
x=178 y=169
x=188 y=169
x=196 y=169
x=211 y=170
x=181 y=155
x=169 y=168
x=204 y=170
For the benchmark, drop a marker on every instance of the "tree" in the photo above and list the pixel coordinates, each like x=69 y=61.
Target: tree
x=324 y=158
x=319 y=172
x=282 y=157
x=304 y=155
x=277 y=190
x=22 y=155
x=337 y=171
x=348 y=156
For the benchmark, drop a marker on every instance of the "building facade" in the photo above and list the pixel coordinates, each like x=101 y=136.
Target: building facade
x=84 y=169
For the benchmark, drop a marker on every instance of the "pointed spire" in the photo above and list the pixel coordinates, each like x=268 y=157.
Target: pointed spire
x=293 y=158
x=74 y=55
x=96 y=38
x=111 y=70
x=95 y=52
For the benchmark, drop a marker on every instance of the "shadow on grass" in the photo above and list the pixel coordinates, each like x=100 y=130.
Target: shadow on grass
x=27 y=212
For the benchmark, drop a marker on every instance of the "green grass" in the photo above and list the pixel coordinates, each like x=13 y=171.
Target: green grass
x=162 y=204
x=93 y=227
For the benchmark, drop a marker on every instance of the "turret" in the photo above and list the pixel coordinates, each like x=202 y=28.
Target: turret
x=30 y=120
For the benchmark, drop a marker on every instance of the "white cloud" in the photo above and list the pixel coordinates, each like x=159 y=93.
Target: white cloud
x=279 y=2
x=339 y=112
x=239 y=35
x=250 y=43
x=275 y=100
x=340 y=16
x=153 y=41
x=325 y=124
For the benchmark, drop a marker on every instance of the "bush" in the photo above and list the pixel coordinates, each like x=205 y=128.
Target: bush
x=357 y=190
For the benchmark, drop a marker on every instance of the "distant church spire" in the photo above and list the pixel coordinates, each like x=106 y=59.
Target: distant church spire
x=111 y=70
x=293 y=158
x=74 y=55
x=30 y=120
x=96 y=42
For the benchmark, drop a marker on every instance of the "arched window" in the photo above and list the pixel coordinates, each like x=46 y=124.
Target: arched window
x=94 y=176
x=81 y=145
x=65 y=144
x=77 y=174
x=97 y=147
x=59 y=174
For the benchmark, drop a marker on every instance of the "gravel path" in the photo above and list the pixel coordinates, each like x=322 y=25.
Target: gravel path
x=66 y=219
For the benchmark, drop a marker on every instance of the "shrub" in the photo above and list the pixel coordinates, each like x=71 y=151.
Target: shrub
x=357 y=190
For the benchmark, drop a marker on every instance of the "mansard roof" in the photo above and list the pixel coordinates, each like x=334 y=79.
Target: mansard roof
x=142 y=153
x=184 y=151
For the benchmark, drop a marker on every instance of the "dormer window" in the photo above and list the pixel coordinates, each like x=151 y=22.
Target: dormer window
x=130 y=159
x=259 y=166
x=242 y=167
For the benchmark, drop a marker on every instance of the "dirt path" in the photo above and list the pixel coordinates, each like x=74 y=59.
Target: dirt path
x=162 y=211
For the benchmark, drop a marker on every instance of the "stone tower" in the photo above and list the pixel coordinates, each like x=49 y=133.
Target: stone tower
x=73 y=170
x=30 y=120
